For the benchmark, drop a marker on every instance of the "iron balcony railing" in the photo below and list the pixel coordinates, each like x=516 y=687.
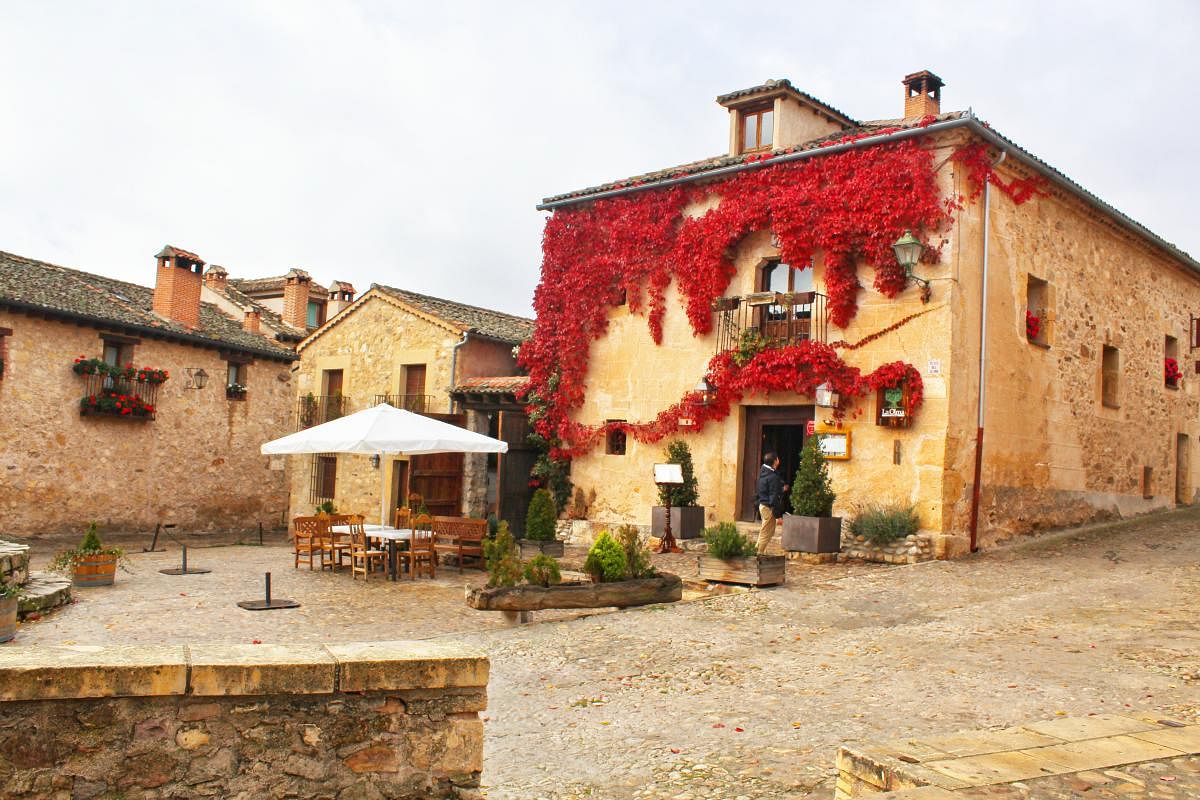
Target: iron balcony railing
x=419 y=403
x=317 y=409
x=780 y=318
x=127 y=398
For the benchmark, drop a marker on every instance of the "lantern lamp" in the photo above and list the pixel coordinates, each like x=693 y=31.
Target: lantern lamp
x=908 y=250
x=706 y=390
x=826 y=397
x=197 y=377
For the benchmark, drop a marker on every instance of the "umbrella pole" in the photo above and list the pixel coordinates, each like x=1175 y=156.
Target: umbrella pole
x=382 y=492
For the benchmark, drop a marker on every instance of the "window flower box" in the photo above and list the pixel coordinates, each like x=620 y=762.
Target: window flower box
x=235 y=391
x=114 y=403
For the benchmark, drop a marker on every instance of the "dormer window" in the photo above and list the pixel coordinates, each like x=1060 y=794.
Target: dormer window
x=758 y=127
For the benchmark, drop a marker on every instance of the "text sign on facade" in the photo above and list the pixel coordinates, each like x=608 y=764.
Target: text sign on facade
x=810 y=427
x=668 y=473
x=835 y=444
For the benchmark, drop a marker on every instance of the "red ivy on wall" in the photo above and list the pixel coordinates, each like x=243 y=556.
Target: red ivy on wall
x=975 y=158
x=849 y=206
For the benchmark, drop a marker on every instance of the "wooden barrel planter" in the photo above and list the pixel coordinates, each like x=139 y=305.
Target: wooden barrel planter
x=8 y=618
x=95 y=570
x=662 y=588
x=753 y=570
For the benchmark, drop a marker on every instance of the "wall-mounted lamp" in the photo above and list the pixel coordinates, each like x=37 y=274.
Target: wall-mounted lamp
x=375 y=460
x=826 y=397
x=908 y=249
x=196 y=377
x=705 y=390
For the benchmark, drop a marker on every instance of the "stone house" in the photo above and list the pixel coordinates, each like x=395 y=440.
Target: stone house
x=1003 y=384
x=409 y=350
x=89 y=440
x=286 y=307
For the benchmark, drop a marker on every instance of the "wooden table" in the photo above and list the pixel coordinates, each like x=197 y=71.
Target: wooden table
x=387 y=534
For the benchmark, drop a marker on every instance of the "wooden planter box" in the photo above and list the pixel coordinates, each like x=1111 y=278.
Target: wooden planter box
x=533 y=547
x=811 y=534
x=754 y=570
x=686 y=522
x=662 y=588
x=97 y=570
x=8 y=618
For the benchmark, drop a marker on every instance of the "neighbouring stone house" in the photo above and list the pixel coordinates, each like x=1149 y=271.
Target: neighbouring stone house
x=1020 y=376
x=409 y=350
x=89 y=441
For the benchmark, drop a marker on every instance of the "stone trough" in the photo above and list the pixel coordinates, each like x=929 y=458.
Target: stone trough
x=40 y=591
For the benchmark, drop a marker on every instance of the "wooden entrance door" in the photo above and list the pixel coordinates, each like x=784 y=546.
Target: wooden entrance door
x=778 y=428
x=438 y=477
x=1183 y=480
x=512 y=470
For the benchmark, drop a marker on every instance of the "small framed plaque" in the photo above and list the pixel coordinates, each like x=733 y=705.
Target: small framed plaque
x=668 y=474
x=835 y=443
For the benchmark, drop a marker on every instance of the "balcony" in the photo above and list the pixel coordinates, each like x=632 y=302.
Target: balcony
x=418 y=403
x=317 y=409
x=781 y=318
x=124 y=398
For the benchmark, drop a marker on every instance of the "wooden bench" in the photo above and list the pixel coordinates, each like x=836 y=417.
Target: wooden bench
x=461 y=537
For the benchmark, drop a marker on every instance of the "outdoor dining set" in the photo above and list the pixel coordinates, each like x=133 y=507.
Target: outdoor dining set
x=411 y=544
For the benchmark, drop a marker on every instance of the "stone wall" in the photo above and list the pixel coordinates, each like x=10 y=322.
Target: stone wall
x=384 y=719
x=59 y=471
x=909 y=550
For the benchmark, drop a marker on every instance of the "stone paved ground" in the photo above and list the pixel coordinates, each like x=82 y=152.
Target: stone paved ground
x=1168 y=779
x=746 y=695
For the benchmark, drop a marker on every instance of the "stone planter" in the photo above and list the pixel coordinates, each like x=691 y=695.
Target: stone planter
x=811 y=534
x=8 y=618
x=533 y=547
x=687 y=522
x=752 y=570
x=95 y=570
x=662 y=588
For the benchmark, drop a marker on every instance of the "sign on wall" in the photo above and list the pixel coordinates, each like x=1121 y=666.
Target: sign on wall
x=834 y=442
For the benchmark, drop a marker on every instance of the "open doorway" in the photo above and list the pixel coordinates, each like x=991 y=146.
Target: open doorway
x=1183 y=480
x=778 y=428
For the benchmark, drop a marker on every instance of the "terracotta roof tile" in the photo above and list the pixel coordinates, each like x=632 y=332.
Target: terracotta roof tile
x=512 y=384
x=36 y=285
x=252 y=286
x=494 y=324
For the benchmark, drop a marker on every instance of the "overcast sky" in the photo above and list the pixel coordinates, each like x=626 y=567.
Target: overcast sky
x=407 y=143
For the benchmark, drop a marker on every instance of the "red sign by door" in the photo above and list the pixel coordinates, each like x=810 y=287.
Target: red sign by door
x=810 y=427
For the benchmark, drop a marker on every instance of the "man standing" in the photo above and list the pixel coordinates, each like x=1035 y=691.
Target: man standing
x=770 y=490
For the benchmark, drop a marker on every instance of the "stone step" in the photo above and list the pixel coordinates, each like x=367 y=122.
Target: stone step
x=42 y=593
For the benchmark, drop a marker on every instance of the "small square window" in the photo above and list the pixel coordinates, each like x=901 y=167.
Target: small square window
x=758 y=129
x=1172 y=374
x=235 y=381
x=1037 y=311
x=1147 y=483
x=614 y=441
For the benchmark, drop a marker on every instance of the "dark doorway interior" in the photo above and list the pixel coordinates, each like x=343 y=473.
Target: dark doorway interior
x=778 y=428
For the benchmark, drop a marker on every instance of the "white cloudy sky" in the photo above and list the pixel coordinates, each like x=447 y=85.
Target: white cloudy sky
x=407 y=143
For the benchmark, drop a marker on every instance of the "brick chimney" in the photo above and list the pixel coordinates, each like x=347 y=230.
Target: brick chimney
x=341 y=294
x=922 y=94
x=177 y=286
x=216 y=278
x=252 y=322
x=295 y=298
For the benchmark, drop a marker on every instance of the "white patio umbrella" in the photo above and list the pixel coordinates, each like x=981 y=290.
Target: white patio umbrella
x=384 y=430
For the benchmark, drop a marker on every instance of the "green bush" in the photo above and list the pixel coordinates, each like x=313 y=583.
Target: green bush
x=684 y=495
x=606 y=560
x=501 y=558
x=725 y=541
x=327 y=508
x=542 y=570
x=637 y=556
x=812 y=496
x=541 y=517
x=881 y=524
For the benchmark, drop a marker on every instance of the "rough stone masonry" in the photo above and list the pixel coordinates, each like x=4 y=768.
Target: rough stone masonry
x=377 y=720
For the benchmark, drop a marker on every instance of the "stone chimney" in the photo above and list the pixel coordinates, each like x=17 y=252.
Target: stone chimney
x=252 y=322
x=216 y=278
x=922 y=94
x=341 y=294
x=295 y=298
x=177 y=286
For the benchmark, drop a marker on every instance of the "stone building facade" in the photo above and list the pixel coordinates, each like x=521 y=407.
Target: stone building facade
x=1077 y=421
x=409 y=350
x=193 y=460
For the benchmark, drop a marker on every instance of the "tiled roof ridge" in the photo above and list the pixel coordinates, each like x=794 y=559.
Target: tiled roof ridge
x=272 y=319
x=409 y=292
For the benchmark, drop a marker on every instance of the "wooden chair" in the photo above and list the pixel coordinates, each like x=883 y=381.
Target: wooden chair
x=461 y=537
x=337 y=544
x=401 y=518
x=420 y=552
x=307 y=541
x=361 y=557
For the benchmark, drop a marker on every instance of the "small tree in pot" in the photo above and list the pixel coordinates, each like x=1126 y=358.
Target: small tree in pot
x=540 y=523
x=811 y=527
x=687 y=518
x=90 y=564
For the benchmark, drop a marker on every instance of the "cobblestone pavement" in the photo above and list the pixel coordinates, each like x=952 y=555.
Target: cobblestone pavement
x=744 y=695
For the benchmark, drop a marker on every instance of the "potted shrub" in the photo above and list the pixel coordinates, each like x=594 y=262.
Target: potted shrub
x=91 y=563
x=8 y=609
x=540 y=522
x=811 y=527
x=687 y=518
x=884 y=524
x=731 y=558
x=542 y=570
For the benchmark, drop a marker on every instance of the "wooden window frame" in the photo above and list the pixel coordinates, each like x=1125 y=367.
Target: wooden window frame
x=756 y=113
x=323 y=477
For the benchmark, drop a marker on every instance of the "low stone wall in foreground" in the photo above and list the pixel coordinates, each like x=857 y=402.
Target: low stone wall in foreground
x=374 y=720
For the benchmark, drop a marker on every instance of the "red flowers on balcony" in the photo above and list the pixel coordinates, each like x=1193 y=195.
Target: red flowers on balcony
x=112 y=402
x=1171 y=372
x=96 y=366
